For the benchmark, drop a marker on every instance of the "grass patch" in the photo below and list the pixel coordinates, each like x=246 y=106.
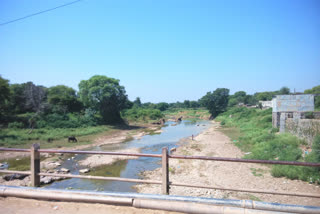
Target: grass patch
x=257 y=172
x=197 y=113
x=50 y=138
x=257 y=136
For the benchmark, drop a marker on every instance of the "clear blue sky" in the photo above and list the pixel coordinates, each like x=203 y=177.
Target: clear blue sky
x=164 y=50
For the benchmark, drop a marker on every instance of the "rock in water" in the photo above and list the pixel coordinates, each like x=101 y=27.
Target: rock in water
x=64 y=170
x=84 y=170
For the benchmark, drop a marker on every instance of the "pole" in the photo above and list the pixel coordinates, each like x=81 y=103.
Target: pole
x=165 y=171
x=35 y=165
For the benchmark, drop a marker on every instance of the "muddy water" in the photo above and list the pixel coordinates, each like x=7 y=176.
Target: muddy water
x=151 y=144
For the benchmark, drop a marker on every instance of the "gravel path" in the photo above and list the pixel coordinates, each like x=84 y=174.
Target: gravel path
x=225 y=174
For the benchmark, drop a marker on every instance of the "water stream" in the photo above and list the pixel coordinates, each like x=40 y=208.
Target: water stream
x=151 y=144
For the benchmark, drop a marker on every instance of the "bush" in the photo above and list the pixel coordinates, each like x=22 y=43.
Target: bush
x=310 y=174
x=16 y=125
x=71 y=120
x=142 y=114
x=309 y=115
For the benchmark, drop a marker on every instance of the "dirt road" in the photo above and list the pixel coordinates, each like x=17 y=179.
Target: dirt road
x=224 y=174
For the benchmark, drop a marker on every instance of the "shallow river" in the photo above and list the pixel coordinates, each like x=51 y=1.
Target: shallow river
x=151 y=144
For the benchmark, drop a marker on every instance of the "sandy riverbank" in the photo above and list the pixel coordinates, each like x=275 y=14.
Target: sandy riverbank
x=212 y=142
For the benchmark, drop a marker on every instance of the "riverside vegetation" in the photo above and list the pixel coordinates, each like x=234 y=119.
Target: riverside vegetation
x=31 y=113
x=263 y=142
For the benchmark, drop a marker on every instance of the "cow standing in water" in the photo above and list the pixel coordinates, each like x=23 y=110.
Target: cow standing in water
x=72 y=138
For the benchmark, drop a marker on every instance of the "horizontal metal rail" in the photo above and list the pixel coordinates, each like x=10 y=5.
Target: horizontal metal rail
x=295 y=163
x=13 y=150
x=15 y=172
x=247 y=190
x=101 y=178
x=99 y=153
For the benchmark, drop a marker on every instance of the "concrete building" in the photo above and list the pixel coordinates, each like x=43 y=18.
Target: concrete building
x=290 y=106
x=266 y=104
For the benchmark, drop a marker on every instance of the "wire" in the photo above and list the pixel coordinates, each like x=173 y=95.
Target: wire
x=34 y=14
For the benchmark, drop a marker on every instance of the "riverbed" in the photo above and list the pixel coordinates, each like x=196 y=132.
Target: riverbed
x=171 y=134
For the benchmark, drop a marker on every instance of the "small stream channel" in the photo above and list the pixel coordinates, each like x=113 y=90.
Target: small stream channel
x=151 y=144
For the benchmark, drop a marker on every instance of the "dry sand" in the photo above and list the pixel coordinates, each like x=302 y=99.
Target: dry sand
x=98 y=160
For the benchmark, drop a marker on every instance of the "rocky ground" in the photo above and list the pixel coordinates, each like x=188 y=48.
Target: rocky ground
x=225 y=174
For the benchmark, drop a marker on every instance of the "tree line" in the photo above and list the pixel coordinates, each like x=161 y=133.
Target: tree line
x=100 y=100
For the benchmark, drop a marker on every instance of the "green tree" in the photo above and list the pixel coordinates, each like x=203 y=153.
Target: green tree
x=4 y=97
x=17 y=99
x=35 y=97
x=284 y=90
x=194 y=104
x=240 y=96
x=63 y=99
x=264 y=96
x=162 y=106
x=186 y=104
x=216 y=102
x=4 y=91
x=250 y=100
x=104 y=95
x=315 y=90
x=137 y=102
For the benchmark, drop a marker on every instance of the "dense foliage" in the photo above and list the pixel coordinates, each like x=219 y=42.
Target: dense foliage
x=216 y=102
x=104 y=95
x=142 y=114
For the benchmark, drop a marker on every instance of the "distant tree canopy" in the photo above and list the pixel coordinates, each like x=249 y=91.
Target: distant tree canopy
x=284 y=90
x=102 y=100
x=216 y=102
x=4 y=96
x=63 y=99
x=104 y=95
x=314 y=90
x=137 y=102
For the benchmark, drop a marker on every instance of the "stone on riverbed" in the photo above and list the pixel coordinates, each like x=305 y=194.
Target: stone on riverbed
x=84 y=170
x=64 y=170
x=10 y=177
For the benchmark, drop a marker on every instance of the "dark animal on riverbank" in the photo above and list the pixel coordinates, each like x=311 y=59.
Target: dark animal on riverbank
x=72 y=138
x=161 y=122
x=179 y=119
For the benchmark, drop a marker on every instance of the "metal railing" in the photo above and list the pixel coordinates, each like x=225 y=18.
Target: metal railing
x=165 y=182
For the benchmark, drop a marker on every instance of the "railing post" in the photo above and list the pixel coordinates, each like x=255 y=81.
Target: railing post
x=165 y=171
x=35 y=165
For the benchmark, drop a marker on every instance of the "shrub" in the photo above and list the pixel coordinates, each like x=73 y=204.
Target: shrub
x=16 y=125
x=309 y=115
x=141 y=114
